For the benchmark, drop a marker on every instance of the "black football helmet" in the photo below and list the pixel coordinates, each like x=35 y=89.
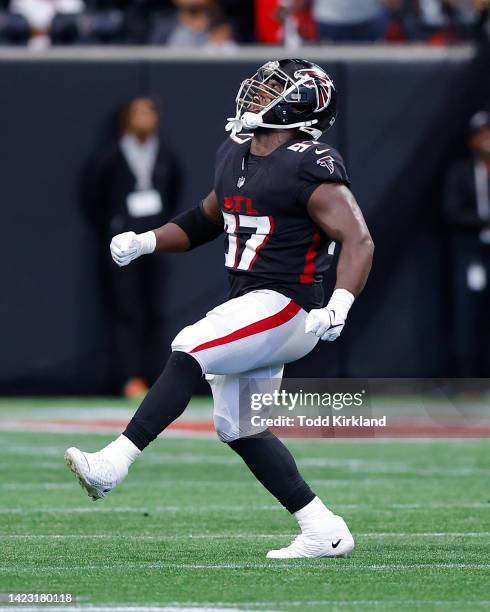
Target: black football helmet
x=289 y=93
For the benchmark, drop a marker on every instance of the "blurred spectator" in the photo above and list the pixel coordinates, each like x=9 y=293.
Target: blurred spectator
x=196 y=23
x=240 y=14
x=333 y=20
x=285 y=22
x=350 y=20
x=438 y=22
x=36 y=18
x=133 y=186
x=223 y=23
x=448 y=20
x=40 y=23
x=467 y=210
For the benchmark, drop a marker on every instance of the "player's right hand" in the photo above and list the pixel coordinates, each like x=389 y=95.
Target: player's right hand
x=128 y=246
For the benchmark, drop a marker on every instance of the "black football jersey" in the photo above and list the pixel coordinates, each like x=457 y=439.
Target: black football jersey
x=270 y=240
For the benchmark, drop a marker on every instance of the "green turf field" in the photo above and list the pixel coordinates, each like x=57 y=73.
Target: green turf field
x=190 y=527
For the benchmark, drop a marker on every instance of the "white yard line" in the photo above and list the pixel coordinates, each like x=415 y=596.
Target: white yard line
x=315 y=441
x=229 y=607
x=373 y=467
x=360 y=467
x=162 y=458
x=292 y=566
x=90 y=509
x=233 y=536
x=187 y=508
x=123 y=608
x=134 y=484
x=34 y=486
x=356 y=465
x=381 y=602
x=86 y=428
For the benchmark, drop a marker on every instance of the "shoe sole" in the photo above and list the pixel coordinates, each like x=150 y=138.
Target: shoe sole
x=343 y=556
x=340 y=555
x=72 y=464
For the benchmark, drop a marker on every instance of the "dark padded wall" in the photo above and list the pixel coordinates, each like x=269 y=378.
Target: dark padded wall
x=393 y=171
x=394 y=129
x=52 y=115
x=400 y=145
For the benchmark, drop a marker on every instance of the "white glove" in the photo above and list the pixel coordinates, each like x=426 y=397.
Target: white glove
x=327 y=323
x=128 y=246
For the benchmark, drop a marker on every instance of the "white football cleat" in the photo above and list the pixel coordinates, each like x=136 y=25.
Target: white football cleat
x=95 y=473
x=335 y=541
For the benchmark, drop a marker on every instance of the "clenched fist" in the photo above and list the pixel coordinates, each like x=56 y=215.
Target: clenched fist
x=327 y=323
x=128 y=246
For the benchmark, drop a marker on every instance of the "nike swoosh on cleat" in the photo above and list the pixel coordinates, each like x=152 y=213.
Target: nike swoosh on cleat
x=335 y=544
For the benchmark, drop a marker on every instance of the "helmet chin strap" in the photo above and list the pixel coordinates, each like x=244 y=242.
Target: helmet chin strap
x=251 y=121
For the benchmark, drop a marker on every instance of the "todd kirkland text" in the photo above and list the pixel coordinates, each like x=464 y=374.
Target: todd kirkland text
x=318 y=421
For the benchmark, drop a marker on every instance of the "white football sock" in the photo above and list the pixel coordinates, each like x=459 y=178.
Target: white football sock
x=121 y=452
x=314 y=517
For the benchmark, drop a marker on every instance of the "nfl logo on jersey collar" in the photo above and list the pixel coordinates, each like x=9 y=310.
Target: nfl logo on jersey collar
x=240 y=182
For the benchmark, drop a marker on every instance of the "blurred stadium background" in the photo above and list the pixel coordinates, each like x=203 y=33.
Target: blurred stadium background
x=410 y=76
x=403 y=122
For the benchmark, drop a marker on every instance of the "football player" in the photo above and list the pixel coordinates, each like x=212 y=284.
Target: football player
x=282 y=199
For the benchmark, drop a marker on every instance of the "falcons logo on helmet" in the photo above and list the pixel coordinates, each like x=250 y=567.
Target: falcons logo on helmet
x=327 y=161
x=320 y=81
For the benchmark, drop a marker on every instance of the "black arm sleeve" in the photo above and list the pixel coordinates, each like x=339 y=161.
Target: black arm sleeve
x=198 y=226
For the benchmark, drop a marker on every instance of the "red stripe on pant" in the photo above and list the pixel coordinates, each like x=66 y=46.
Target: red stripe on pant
x=281 y=317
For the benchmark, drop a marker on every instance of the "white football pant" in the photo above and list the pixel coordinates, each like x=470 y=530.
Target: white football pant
x=249 y=337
